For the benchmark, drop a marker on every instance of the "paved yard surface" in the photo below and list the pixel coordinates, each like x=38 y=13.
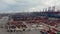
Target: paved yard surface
x=4 y=20
x=3 y=31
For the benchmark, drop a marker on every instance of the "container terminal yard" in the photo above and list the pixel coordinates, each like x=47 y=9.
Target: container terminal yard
x=47 y=22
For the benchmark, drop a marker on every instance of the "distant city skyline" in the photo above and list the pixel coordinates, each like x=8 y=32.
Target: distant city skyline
x=13 y=6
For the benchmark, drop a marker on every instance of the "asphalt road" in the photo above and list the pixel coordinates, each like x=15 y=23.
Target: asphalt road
x=4 y=20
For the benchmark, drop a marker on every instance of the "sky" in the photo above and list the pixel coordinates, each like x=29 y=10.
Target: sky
x=12 y=6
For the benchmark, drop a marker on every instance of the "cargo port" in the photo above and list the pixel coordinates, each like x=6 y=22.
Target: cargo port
x=31 y=23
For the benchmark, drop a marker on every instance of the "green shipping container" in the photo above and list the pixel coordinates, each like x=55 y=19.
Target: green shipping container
x=58 y=32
